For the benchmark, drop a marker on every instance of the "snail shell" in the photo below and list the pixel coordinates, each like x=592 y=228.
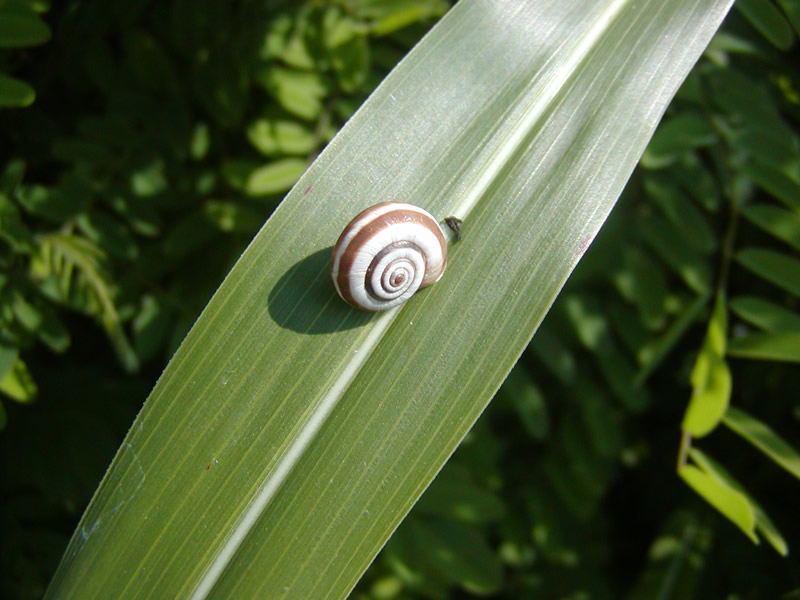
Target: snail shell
x=387 y=253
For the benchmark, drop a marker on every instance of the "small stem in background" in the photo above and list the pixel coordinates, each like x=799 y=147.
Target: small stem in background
x=726 y=185
x=728 y=240
x=683 y=452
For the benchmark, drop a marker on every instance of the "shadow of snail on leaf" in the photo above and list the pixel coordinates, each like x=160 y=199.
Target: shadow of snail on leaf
x=304 y=299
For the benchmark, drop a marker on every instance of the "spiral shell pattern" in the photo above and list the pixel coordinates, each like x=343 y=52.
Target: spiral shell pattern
x=386 y=254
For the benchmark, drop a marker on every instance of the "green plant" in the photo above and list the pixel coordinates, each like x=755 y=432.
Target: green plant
x=157 y=172
x=162 y=136
x=316 y=426
x=613 y=353
x=758 y=151
x=20 y=27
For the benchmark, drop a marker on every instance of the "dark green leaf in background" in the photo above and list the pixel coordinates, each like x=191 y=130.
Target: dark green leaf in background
x=764 y=314
x=277 y=176
x=665 y=240
x=18 y=384
x=299 y=93
x=783 y=224
x=775 y=182
x=763 y=438
x=768 y=20
x=21 y=27
x=15 y=93
x=675 y=560
x=676 y=135
x=528 y=403
x=777 y=268
x=783 y=346
x=281 y=136
x=791 y=8
x=682 y=213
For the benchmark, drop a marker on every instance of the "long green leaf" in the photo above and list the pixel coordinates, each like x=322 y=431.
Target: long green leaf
x=767 y=346
x=763 y=438
x=776 y=183
x=783 y=224
x=767 y=315
x=290 y=434
x=14 y=92
x=20 y=27
x=777 y=268
x=765 y=17
x=730 y=502
x=762 y=522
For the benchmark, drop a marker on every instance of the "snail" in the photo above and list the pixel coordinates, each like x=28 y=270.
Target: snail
x=386 y=254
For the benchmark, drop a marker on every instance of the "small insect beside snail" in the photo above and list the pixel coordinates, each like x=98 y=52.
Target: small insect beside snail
x=386 y=254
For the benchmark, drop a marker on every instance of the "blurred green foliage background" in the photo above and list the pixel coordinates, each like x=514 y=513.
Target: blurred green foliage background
x=142 y=145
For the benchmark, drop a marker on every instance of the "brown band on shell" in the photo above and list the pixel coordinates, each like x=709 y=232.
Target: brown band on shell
x=382 y=222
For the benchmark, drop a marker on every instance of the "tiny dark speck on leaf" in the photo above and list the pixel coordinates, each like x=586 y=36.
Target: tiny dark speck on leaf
x=454 y=223
x=308 y=189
